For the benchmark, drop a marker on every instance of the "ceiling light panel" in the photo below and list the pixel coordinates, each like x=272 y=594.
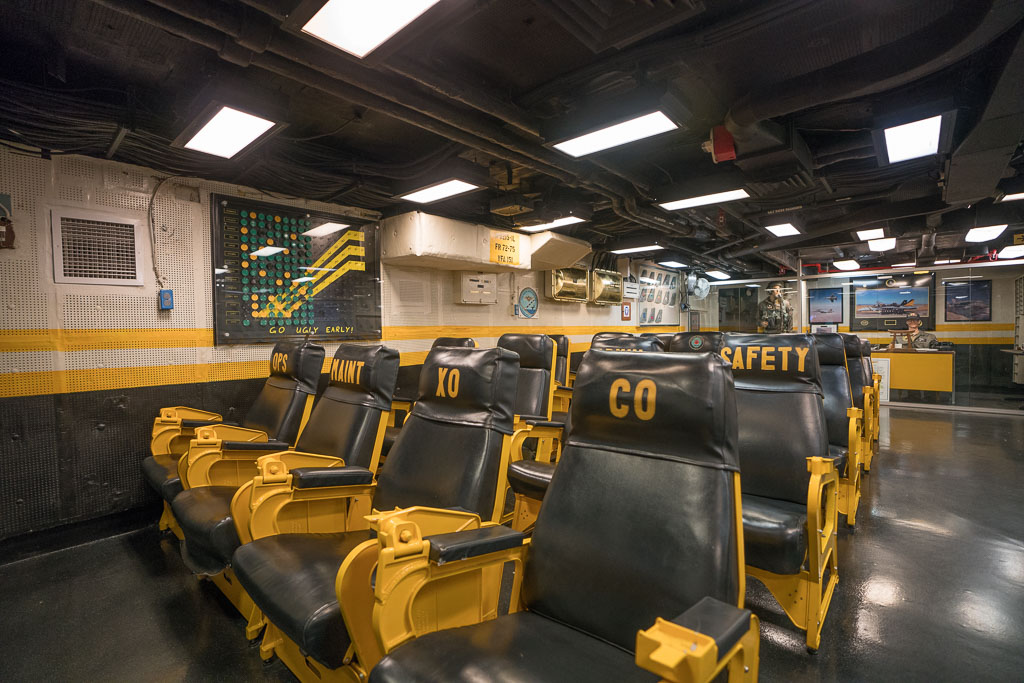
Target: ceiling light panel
x=985 y=234
x=884 y=244
x=1012 y=251
x=904 y=265
x=228 y=132
x=846 y=265
x=718 y=275
x=568 y=220
x=872 y=234
x=637 y=250
x=913 y=140
x=639 y=128
x=782 y=229
x=703 y=200
x=440 y=191
x=672 y=264
x=1012 y=197
x=360 y=26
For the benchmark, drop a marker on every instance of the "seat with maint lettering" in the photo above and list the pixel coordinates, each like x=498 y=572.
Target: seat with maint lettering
x=597 y=573
x=450 y=455
x=787 y=476
x=345 y=425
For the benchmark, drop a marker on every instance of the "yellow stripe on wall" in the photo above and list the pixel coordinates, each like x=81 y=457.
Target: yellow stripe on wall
x=103 y=339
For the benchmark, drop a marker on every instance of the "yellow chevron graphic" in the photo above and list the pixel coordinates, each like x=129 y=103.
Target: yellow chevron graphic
x=350 y=235
x=351 y=265
x=281 y=306
x=351 y=250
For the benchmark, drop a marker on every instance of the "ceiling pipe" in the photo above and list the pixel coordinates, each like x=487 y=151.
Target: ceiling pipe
x=970 y=26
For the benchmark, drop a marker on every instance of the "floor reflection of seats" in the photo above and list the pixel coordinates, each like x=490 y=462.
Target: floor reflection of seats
x=931 y=586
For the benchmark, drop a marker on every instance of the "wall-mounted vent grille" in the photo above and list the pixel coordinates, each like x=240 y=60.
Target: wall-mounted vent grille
x=93 y=249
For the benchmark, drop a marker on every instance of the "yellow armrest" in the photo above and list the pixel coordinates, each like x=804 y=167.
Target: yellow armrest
x=676 y=653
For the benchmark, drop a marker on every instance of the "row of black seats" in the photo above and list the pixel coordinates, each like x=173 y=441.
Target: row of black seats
x=304 y=543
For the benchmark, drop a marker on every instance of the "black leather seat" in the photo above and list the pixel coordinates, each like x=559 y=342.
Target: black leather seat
x=536 y=373
x=835 y=382
x=782 y=423
x=610 y=335
x=530 y=478
x=447 y=456
x=277 y=410
x=561 y=358
x=697 y=342
x=596 y=572
x=407 y=387
x=858 y=378
x=344 y=424
x=635 y=344
x=664 y=337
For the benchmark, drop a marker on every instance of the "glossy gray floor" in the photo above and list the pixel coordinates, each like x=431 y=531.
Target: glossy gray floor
x=931 y=583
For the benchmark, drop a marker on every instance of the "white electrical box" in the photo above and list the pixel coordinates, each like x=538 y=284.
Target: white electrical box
x=477 y=288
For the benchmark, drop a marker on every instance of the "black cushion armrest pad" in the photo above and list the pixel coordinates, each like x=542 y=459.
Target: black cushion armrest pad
x=269 y=446
x=463 y=544
x=724 y=622
x=545 y=423
x=316 y=477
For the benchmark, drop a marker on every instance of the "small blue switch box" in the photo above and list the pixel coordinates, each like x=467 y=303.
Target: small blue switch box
x=166 y=299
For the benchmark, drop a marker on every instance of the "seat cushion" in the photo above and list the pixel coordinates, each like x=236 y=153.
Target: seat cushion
x=204 y=515
x=514 y=648
x=774 y=534
x=162 y=476
x=291 y=578
x=839 y=455
x=530 y=478
x=390 y=436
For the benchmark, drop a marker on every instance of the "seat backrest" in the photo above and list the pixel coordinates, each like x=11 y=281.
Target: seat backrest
x=835 y=382
x=781 y=411
x=294 y=374
x=609 y=335
x=865 y=359
x=408 y=383
x=697 y=342
x=664 y=337
x=536 y=372
x=561 y=357
x=855 y=367
x=639 y=522
x=346 y=419
x=641 y=344
x=449 y=451
x=464 y=342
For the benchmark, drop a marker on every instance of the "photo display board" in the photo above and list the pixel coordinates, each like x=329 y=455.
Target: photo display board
x=282 y=272
x=658 y=302
x=884 y=304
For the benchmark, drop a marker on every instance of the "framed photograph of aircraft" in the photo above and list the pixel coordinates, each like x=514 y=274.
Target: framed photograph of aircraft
x=968 y=300
x=884 y=304
x=825 y=305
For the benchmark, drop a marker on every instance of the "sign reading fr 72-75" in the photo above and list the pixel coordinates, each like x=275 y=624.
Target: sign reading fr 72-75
x=282 y=272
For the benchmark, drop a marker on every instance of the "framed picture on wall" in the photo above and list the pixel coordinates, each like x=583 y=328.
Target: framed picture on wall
x=694 y=323
x=825 y=305
x=968 y=300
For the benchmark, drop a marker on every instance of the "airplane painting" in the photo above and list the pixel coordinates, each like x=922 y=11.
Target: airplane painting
x=892 y=303
x=825 y=305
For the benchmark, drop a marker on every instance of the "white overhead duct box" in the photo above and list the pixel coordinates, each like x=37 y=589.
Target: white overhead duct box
x=420 y=239
x=426 y=241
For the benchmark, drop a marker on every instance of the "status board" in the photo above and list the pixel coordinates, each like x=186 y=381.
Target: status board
x=281 y=272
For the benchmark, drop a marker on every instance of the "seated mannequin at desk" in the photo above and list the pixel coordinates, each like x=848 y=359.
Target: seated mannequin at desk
x=916 y=338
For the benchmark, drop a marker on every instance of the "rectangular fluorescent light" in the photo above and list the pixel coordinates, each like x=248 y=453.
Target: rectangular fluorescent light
x=947 y=261
x=904 y=265
x=718 y=275
x=628 y=131
x=1012 y=197
x=913 y=140
x=636 y=250
x=360 y=26
x=986 y=234
x=325 y=229
x=568 y=220
x=228 y=132
x=753 y=285
x=872 y=234
x=782 y=229
x=884 y=244
x=440 y=191
x=703 y=200
x=268 y=251
x=303 y=279
x=846 y=265
x=1012 y=251
x=672 y=264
